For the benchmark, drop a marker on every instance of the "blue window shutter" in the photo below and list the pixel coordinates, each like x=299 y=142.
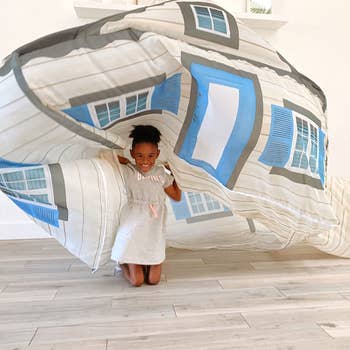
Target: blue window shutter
x=4 y=163
x=166 y=96
x=180 y=209
x=48 y=215
x=279 y=143
x=321 y=155
x=80 y=113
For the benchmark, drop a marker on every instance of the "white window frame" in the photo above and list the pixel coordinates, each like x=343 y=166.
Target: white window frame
x=308 y=151
x=204 y=202
x=40 y=191
x=212 y=31
x=122 y=106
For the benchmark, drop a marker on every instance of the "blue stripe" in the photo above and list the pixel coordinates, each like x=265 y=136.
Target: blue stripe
x=166 y=96
x=321 y=155
x=80 y=113
x=48 y=215
x=279 y=143
x=4 y=163
x=241 y=131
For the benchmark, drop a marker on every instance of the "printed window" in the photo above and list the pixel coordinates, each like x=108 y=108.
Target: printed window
x=107 y=112
x=32 y=181
x=211 y=20
x=136 y=103
x=305 y=151
x=201 y=203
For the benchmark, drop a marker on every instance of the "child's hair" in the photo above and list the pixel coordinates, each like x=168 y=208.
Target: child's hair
x=145 y=133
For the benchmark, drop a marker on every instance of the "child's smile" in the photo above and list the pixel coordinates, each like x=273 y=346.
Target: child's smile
x=145 y=155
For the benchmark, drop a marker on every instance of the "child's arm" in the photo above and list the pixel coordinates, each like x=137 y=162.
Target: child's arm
x=173 y=191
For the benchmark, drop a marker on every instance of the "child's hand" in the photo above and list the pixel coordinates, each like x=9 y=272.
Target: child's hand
x=123 y=160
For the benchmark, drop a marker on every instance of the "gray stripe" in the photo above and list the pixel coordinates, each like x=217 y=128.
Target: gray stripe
x=302 y=110
x=151 y=111
x=6 y=67
x=251 y=225
x=117 y=90
x=188 y=119
x=207 y=217
x=191 y=29
x=57 y=117
x=59 y=190
x=298 y=178
x=187 y=60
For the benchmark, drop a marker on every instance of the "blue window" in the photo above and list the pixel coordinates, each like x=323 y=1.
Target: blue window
x=295 y=144
x=27 y=188
x=202 y=203
x=142 y=101
x=226 y=106
x=195 y=204
x=211 y=19
x=42 y=198
x=306 y=148
x=24 y=179
x=136 y=103
x=107 y=112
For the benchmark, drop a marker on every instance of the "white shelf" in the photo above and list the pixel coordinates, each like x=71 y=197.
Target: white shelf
x=262 y=21
x=95 y=10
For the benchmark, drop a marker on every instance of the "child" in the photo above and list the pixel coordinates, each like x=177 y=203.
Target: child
x=140 y=244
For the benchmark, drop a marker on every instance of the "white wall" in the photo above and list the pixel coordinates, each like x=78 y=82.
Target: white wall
x=315 y=41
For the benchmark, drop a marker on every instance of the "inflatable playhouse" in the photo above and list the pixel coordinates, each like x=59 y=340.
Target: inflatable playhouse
x=243 y=131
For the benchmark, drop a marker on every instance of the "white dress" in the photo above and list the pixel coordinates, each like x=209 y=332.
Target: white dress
x=141 y=235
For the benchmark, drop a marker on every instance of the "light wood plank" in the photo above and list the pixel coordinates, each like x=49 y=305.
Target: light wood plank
x=205 y=272
x=207 y=298
x=15 y=294
x=135 y=328
x=276 y=339
x=338 y=329
x=89 y=345
x=293 y=317
x=16 y=337
x=222 y=305
x=301 y=263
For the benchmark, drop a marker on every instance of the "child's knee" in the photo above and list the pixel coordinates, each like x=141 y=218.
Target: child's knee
x=137 y=280
x=153 y=280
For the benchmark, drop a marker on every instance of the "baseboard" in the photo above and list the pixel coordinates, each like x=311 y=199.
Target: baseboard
x=21 y=230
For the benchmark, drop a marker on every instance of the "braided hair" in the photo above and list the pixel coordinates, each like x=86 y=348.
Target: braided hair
x=145 y=133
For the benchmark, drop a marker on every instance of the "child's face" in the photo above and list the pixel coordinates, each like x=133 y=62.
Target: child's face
x=145 y=155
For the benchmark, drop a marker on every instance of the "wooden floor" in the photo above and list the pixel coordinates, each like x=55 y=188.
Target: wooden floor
x=293 y=299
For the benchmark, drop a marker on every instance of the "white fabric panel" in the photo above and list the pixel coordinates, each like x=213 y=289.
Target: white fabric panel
x=218 y=121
